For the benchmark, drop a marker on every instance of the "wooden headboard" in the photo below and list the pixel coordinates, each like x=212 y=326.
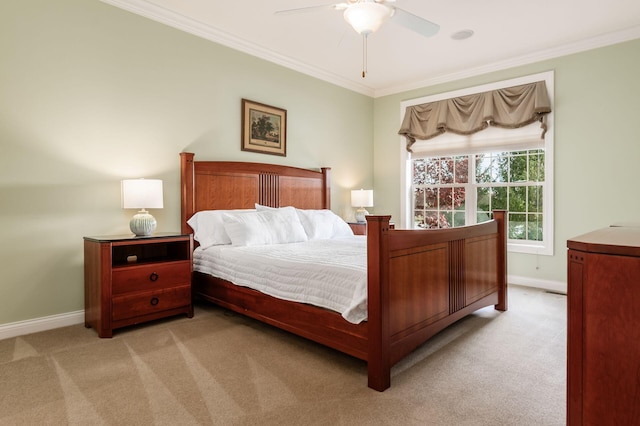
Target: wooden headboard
x=220 y=185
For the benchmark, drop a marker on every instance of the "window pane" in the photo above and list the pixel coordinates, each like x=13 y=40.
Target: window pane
x=431 y=220
x=483 y=195
x=501 y=167
x=517 y=198
x=536 y=165
x=535 y=199
x=432 y=171
x=459 y=219
x=446 y=198
x=462 y=169
x=419 y=175
x=446 y=170
x=459 y=199
x=483 y=168
x=446 y=220
x=492 y=167
x=419 y=198
x=534 y=227
x=483 y=217
x=517 y=226
x=431 y=198
x=499 y=198
x=518 y=168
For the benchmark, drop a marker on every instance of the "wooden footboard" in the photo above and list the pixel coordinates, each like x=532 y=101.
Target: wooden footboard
x=421 y=281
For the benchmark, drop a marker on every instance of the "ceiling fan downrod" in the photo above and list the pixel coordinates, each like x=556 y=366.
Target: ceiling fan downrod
x=364 y=55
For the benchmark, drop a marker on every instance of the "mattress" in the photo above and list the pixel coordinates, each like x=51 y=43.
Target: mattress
x=330 y=274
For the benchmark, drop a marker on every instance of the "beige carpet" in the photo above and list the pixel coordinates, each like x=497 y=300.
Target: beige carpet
x=217 y=368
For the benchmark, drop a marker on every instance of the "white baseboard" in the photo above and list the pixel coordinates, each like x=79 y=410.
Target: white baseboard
x=21 y=328
x=555 y=286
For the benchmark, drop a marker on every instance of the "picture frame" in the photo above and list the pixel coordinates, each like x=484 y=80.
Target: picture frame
x=264 y=128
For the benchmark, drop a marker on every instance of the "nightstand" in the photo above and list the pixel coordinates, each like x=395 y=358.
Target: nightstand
x=129 y=280
x=358 y=228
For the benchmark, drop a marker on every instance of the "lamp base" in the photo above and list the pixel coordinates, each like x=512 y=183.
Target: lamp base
x=360 y=214
x=143 y=224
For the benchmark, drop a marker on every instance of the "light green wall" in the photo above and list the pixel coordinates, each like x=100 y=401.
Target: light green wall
x=597 y=146
x=91 y=94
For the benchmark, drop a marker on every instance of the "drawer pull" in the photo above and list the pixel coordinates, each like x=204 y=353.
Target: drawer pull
x=154 y=301
x=153 y=276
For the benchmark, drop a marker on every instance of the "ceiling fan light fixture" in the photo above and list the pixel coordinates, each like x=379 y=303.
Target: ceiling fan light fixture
x=367 y=17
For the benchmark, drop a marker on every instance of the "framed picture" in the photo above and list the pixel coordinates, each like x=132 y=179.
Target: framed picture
x=264 y=128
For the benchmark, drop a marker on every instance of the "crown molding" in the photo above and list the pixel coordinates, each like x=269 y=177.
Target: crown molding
x=200 y=29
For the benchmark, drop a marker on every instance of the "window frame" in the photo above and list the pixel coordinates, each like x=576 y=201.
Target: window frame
x=546 y=247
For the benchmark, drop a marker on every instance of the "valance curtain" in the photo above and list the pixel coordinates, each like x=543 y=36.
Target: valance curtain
x=510 y=108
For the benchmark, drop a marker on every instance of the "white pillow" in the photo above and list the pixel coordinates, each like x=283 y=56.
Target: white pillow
x=276 y=226
x=208 y=226
x=319 y=224
x=323 y=224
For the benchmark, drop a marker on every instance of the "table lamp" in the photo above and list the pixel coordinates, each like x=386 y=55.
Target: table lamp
x=361 y=198
x=142 y=194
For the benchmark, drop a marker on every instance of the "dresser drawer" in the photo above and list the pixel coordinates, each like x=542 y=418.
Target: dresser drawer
x=145 y=303
x=150 y=277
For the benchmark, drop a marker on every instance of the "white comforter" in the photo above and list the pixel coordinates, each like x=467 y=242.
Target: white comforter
x=328 y=273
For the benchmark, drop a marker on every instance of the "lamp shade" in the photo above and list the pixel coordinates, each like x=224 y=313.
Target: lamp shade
x=362 y=198
x=142 y=194
x=367 y=17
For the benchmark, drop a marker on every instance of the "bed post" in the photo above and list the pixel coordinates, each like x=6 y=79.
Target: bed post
x=326 y=187
x=379 y=356
x=500 y=216
x=187 y=201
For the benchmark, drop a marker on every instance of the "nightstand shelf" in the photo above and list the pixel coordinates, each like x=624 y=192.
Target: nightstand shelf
x=129 y=280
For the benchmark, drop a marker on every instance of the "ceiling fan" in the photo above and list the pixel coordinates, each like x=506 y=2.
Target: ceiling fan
x=367 y=16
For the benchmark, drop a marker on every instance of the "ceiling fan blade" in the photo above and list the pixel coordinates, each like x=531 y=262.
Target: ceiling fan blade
x=306 y=9
x=414 y=22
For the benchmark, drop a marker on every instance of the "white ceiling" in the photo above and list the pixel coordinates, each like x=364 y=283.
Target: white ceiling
x=320 y=43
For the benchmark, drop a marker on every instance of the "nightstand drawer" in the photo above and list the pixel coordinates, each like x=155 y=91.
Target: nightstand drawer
x=150 y=302
x=150 y=277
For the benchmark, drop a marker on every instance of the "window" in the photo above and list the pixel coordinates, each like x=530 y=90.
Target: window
x=440 y=186
x=447 y=190
x=462 y=180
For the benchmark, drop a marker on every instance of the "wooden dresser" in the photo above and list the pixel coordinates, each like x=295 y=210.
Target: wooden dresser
x=603 y=348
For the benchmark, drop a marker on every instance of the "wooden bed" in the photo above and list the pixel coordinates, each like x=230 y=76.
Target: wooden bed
x=419 y=281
